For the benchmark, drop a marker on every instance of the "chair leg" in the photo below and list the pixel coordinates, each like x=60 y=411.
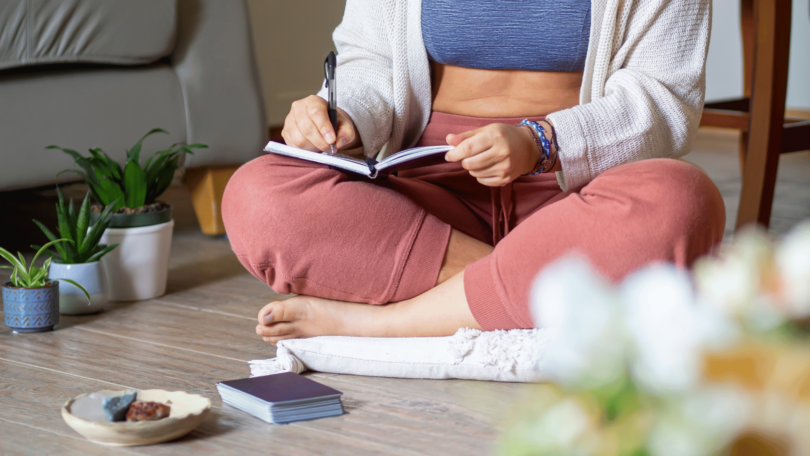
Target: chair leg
x=767 y=110
x=207 y=184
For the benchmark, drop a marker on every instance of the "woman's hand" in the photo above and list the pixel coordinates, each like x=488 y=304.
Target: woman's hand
x=307 y=126
x=496 y=154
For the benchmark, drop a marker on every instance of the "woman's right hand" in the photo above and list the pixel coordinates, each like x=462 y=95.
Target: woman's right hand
x=307 y=126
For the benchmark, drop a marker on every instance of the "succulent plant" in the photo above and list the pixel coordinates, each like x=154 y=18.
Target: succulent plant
x=84 y=236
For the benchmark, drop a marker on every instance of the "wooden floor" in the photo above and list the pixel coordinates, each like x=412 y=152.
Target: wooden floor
x=201 y=332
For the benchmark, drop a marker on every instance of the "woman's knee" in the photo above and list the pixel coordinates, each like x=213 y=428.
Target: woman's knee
x=263 y=197
x=680 y=198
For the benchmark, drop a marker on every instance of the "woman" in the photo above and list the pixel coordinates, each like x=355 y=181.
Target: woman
x=610 y=91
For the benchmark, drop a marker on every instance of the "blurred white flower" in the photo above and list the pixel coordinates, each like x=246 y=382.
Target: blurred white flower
x=743 y=281
x=669 y=331
x=793 y=264
x=589 y=349
x=561 y=425
x=732 y=281
x=700 y=423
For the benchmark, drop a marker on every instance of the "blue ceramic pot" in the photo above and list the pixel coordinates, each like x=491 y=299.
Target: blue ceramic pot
x=30 y=310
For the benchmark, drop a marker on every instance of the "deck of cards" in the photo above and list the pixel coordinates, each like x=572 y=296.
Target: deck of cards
x=281 y=398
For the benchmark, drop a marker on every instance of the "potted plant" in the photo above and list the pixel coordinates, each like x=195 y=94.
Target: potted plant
x=30 y=299
x=79 y=259
x=141 y=225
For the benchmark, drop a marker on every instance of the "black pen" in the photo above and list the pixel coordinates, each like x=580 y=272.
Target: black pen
x=329 y=67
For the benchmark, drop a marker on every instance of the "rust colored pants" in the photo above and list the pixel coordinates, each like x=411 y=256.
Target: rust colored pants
x=308 y=229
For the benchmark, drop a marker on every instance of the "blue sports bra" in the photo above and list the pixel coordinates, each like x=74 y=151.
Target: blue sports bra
x=541 y=35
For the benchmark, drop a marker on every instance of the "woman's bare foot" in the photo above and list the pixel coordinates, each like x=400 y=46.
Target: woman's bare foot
x=440 y=311
x=305 y=316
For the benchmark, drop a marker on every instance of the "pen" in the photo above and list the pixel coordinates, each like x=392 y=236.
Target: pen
x=329 y=67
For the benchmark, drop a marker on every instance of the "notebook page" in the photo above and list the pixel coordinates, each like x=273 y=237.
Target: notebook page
x=338 y=161
x=411 y=154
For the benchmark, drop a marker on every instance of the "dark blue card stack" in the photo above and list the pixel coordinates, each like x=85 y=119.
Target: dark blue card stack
x=281 y=398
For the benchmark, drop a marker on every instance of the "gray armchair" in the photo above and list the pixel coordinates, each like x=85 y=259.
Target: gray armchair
x=101 y=73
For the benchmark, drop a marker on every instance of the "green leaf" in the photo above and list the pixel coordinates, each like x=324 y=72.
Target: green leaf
x=134 y=154
x=37 y=276
x=135 y=184
x=98 y=229
x=82 y=162
x=22 y=259
x=165 y=179
x=77 y=285
x=102 y=160
x=82 y=222
x=64 y=223
x=11 y=258
x=51 y=237
x=44 y=247
x=113 y=193
x=71 y=220
x=49 y=252
x=113 y=165
x=97 y=256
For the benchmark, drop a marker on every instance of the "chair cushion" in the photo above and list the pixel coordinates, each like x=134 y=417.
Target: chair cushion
x=122 y=32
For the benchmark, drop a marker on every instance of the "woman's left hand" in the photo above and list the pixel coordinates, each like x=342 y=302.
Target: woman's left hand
x=496 y=154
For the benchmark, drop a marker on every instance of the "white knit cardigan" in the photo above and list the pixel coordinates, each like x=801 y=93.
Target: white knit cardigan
x=641 y=96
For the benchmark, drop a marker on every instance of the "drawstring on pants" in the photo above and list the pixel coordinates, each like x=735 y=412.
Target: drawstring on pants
x=502 y=205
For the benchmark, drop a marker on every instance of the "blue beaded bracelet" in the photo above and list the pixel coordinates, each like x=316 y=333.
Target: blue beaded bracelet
x=545 y=163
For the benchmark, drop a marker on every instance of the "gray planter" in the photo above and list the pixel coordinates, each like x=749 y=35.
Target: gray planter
x=29 y=310
x=136 y=220
x=72 y=300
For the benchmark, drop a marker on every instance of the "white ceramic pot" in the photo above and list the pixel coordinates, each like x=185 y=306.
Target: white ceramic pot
x=72 y=300
x=138 y=268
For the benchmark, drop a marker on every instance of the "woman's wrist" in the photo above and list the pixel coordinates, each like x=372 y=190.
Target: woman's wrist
x=543 y=138
x=531 y=152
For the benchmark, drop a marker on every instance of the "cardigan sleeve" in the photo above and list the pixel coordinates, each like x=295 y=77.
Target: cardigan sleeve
x=364 y=72
x=651 y=103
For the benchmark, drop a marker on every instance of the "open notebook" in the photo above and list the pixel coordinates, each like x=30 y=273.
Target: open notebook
x=406 y=159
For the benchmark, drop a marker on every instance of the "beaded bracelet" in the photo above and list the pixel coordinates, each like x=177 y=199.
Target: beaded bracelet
x=547 y=159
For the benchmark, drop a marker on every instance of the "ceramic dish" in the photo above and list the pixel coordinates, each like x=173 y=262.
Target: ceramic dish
x=188 y=410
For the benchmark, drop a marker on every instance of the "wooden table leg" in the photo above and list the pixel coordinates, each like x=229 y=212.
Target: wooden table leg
x=207 y=184
x=771 y=55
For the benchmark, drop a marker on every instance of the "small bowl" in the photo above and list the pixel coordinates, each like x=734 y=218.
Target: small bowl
x=187 y=411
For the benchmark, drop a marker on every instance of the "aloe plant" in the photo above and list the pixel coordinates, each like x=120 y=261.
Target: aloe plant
x=30 y=276
x=129 y=186
x=83 y=235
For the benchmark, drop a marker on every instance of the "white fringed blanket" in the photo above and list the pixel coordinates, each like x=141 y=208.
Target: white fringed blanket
x=506 y=356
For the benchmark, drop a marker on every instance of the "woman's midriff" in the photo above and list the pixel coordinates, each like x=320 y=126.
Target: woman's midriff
x=502 y=93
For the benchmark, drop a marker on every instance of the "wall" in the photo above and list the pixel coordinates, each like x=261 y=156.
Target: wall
x=292 y=37
x=724 y=68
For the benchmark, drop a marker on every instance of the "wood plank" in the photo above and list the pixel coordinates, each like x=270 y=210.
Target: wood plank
x=35 y=397
x=183 y=329
x=20 y=439
x=438 y=422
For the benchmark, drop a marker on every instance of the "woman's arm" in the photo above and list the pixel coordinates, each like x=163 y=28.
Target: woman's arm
x=652 y=101
x=364 y=72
